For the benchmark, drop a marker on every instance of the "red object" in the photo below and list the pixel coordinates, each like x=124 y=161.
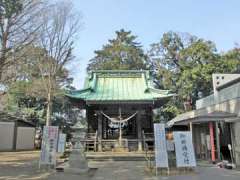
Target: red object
x=212 y=141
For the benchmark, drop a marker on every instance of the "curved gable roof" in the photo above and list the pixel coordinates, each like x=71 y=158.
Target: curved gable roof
x=112 y=86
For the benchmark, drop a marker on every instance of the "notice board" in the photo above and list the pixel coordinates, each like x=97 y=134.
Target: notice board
x=161 y=156
x=185 y=155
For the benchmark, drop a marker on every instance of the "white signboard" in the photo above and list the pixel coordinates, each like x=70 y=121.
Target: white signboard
x=61 y=143
x=170 y=145
x=49 y=145
x=161 y=155
x=184 y=149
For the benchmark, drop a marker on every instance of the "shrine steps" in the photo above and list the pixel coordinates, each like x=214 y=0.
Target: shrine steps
x=116 y=156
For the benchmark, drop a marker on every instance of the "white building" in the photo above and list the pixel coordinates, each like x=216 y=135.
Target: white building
x=216 y=121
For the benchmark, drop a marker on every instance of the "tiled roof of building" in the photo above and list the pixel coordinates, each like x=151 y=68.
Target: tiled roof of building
x=102 y=86
x=6 y=117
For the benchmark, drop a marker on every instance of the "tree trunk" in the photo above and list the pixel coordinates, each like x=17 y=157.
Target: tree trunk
x=1 y=69
x=3 y=50
x=49 y=109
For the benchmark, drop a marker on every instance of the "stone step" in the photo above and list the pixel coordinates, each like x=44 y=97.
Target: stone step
x=109 y=156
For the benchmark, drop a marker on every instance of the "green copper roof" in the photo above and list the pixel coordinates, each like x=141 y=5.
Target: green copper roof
x=119 y=86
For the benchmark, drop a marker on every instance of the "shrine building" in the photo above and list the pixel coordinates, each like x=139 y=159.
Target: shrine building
x=119 y=108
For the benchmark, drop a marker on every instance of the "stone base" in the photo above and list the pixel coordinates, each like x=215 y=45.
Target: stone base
x=76 y=170
x=120 y=149
x=71 y=170
x=77 y=163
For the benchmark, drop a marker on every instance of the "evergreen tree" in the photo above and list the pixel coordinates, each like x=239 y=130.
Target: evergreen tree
x=121 y=53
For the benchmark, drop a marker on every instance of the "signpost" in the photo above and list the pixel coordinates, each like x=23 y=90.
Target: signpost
x=61 y=143
x=161 y=156
x=185 y=155
x=49 y=146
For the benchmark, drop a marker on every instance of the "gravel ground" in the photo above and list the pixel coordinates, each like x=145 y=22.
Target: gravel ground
x=20 y=165
x=24 y=166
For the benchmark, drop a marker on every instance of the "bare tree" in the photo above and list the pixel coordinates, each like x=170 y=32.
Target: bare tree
x=17 y=29
x=60 y=25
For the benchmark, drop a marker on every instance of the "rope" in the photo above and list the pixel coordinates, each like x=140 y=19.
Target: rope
x=115 y=120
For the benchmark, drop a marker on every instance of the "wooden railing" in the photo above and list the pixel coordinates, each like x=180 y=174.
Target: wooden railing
x=148 y=138
x=111 y=144
x=91 y=141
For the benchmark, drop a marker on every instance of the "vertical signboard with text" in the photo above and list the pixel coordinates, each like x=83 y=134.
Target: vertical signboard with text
x=61 y=143
x=49 y=145
x=185 y=155
x=161 y=155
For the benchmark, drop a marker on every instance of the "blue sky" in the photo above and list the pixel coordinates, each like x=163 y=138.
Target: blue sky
x=216 y=20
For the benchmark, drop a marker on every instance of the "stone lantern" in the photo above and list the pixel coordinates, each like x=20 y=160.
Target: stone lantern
x=77 y=159
x=78 y=136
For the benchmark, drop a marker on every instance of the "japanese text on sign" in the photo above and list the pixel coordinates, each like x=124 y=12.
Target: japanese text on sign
x=161 y=155
x=61 y=143
x=184 y=149
x=49 y=145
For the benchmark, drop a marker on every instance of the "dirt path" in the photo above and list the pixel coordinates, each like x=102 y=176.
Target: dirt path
x=20 y=166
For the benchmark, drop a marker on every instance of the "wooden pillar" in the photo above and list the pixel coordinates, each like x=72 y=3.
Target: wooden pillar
x=104 y=127
x=151 y=119
x=191 y=127
x=194 y=142
x=87 y=116
x=107 y=129
x=139 y=131
x=217 y=141
x=99 y=131
x=212 y=141
x=231 y=126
